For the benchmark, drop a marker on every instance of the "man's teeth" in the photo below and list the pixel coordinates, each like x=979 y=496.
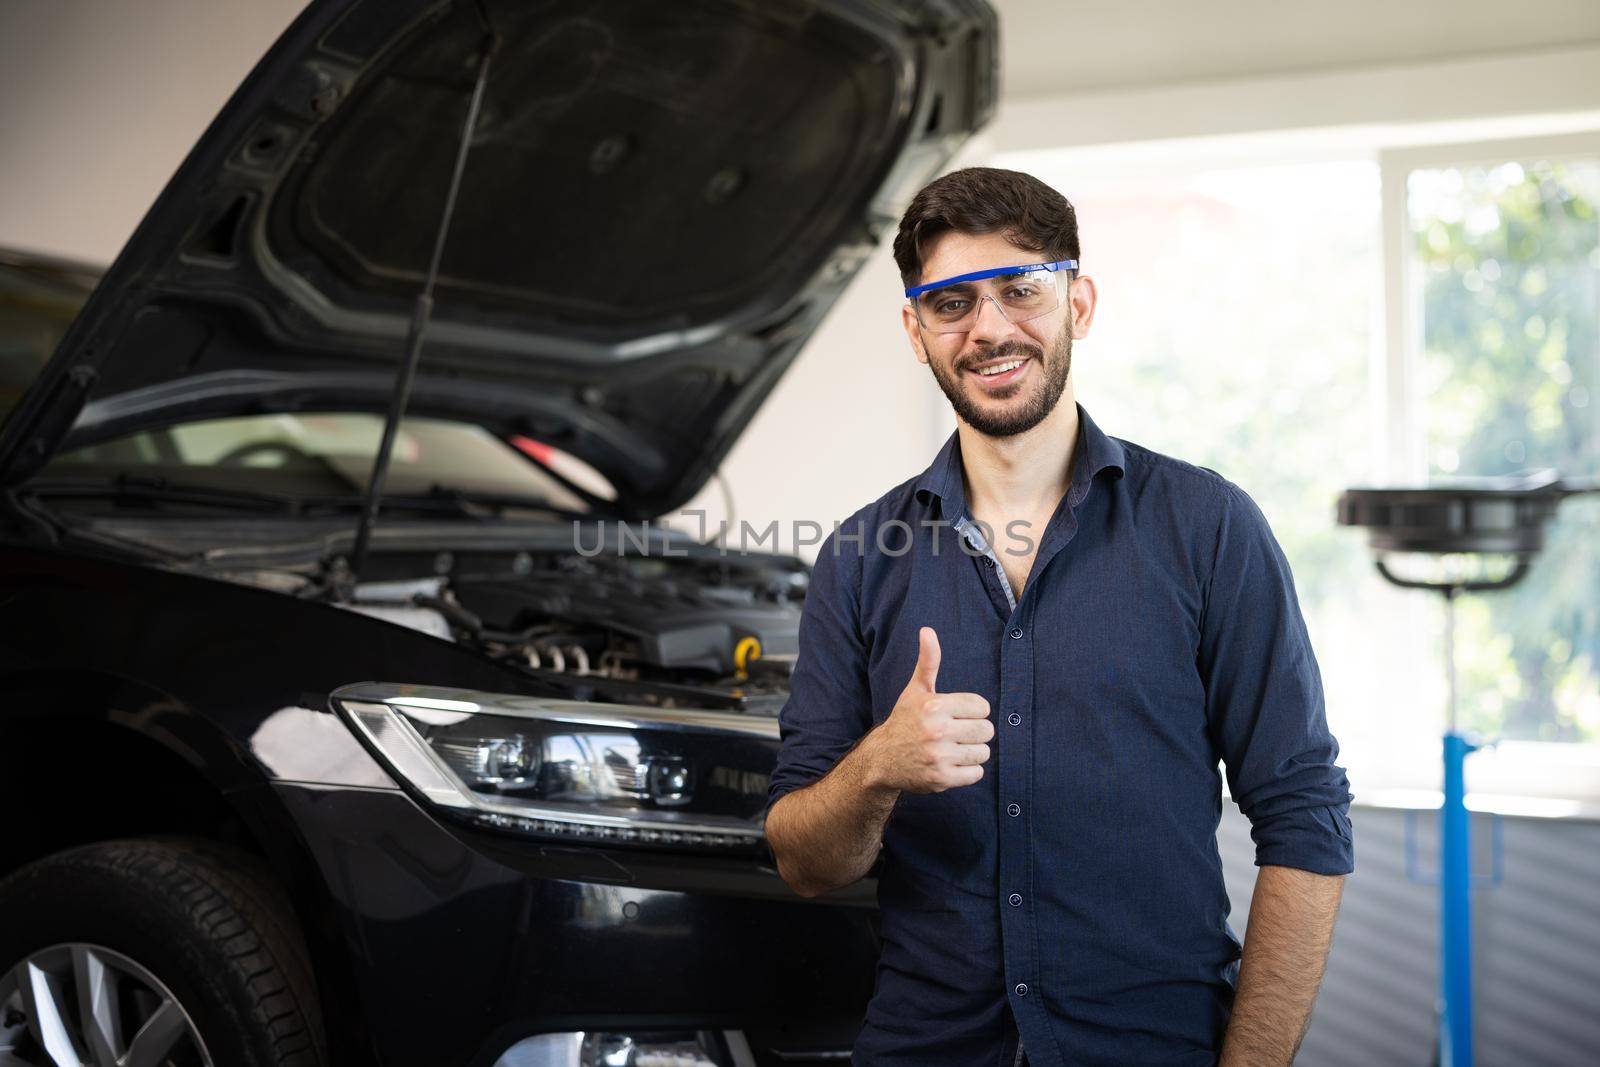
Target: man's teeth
x=1000 y=368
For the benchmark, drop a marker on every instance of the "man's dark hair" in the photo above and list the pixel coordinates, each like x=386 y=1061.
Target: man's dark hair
x=1028 y=212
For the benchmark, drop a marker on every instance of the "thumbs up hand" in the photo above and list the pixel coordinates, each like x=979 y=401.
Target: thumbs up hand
x=931 y=741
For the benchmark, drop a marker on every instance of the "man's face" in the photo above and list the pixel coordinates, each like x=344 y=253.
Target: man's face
x=1010 y=401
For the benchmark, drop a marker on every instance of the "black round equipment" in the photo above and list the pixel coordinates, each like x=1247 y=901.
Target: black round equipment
x=1488 y=515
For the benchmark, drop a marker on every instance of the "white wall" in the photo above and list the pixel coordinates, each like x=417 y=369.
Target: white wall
x=100 y=99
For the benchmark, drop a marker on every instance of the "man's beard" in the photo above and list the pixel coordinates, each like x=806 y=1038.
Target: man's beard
x=1018 y=419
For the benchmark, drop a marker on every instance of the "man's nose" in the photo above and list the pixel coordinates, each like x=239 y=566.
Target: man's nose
x=989 y=323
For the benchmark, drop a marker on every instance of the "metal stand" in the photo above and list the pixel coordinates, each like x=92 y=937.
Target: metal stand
x=1455 y=875
x=1455 y=844
x=1487 y=516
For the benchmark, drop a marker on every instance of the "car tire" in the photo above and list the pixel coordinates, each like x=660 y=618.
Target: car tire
x=193 y=920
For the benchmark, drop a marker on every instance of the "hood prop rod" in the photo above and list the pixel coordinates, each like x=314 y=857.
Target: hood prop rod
x=421 y=313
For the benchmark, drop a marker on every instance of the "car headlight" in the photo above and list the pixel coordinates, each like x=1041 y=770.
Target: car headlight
x=574 y=770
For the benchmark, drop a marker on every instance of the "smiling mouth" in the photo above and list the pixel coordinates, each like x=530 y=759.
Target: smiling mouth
x=999 y=368
x=998 y=372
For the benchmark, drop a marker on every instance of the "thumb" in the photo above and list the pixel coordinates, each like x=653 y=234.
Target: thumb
x=926 y=673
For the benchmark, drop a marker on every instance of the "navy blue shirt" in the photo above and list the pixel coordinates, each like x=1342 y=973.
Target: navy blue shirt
x=1074 y=895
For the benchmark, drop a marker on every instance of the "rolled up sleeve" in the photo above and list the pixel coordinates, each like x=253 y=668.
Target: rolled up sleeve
x=1264 y=700
x=829 y=705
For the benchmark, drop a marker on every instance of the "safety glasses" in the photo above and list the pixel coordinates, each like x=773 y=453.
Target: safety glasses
x=1021 y=293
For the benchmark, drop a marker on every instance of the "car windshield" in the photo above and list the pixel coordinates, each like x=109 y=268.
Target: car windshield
x=331 y=455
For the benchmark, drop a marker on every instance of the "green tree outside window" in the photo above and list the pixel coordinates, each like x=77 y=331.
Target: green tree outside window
x=1508 y=267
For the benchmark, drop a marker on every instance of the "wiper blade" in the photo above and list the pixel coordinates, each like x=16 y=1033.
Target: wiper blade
x=131 y=488
x=467 y=501
x=145 y=489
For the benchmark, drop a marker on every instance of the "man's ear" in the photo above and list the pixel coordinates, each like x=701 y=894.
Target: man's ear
x=1082 y=299
x=908 y=319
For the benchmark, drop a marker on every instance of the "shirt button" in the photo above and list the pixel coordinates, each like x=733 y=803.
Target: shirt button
x=1014 y=719
x=1016 y=900
x=1016 y=635
x=1013 y=810
x=1022 y=989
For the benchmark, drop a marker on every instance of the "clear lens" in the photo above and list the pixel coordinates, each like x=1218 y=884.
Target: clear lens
x=1019 y=297
x=579 y=771
x=588 y=766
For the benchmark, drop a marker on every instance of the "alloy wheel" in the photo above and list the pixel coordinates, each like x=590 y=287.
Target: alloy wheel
x=82 y=1005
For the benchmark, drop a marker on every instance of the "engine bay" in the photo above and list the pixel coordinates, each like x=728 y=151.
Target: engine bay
x=668 y=621
x=707 y=631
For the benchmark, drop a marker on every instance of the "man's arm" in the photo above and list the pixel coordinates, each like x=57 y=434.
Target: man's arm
x=826 y=834
x=1265 y=706
x=1285 y=951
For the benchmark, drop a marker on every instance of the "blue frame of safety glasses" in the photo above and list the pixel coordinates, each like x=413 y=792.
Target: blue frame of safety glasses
x=979 y=275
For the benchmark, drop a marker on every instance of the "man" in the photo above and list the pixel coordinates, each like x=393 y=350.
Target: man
x=1018 y=672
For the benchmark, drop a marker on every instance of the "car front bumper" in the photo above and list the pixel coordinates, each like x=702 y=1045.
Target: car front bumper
x=464 y=943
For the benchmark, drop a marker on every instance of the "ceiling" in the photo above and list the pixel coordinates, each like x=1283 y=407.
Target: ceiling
x=1073 y=46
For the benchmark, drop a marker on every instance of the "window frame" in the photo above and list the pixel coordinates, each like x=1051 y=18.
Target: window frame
x=1519 y=769
x=1404 y=448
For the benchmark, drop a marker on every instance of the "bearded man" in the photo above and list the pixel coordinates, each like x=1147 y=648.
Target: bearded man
x=1019 y=696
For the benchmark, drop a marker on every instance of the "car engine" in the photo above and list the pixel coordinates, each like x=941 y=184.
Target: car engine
x=708 y=631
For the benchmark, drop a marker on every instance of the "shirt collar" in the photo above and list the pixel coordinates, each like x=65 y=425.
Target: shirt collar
x=1094 y=453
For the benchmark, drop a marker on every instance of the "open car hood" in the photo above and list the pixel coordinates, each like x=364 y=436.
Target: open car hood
x=660 y=203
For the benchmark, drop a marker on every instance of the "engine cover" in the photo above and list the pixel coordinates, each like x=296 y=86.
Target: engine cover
x=659 y=614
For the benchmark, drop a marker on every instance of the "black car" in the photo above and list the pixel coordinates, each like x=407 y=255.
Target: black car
x=351 y=714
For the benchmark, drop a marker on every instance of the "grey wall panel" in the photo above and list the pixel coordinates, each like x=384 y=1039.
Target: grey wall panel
x=1537 y=945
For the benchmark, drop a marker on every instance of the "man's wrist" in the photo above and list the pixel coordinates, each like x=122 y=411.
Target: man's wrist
x=870 y=766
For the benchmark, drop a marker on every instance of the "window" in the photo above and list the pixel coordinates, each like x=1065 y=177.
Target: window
x=1496 y=311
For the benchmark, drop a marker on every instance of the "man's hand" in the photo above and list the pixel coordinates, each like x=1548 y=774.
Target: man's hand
x=931 y=741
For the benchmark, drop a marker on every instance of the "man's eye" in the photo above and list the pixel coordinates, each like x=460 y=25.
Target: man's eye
x=951 y=307
x=1022 y=292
